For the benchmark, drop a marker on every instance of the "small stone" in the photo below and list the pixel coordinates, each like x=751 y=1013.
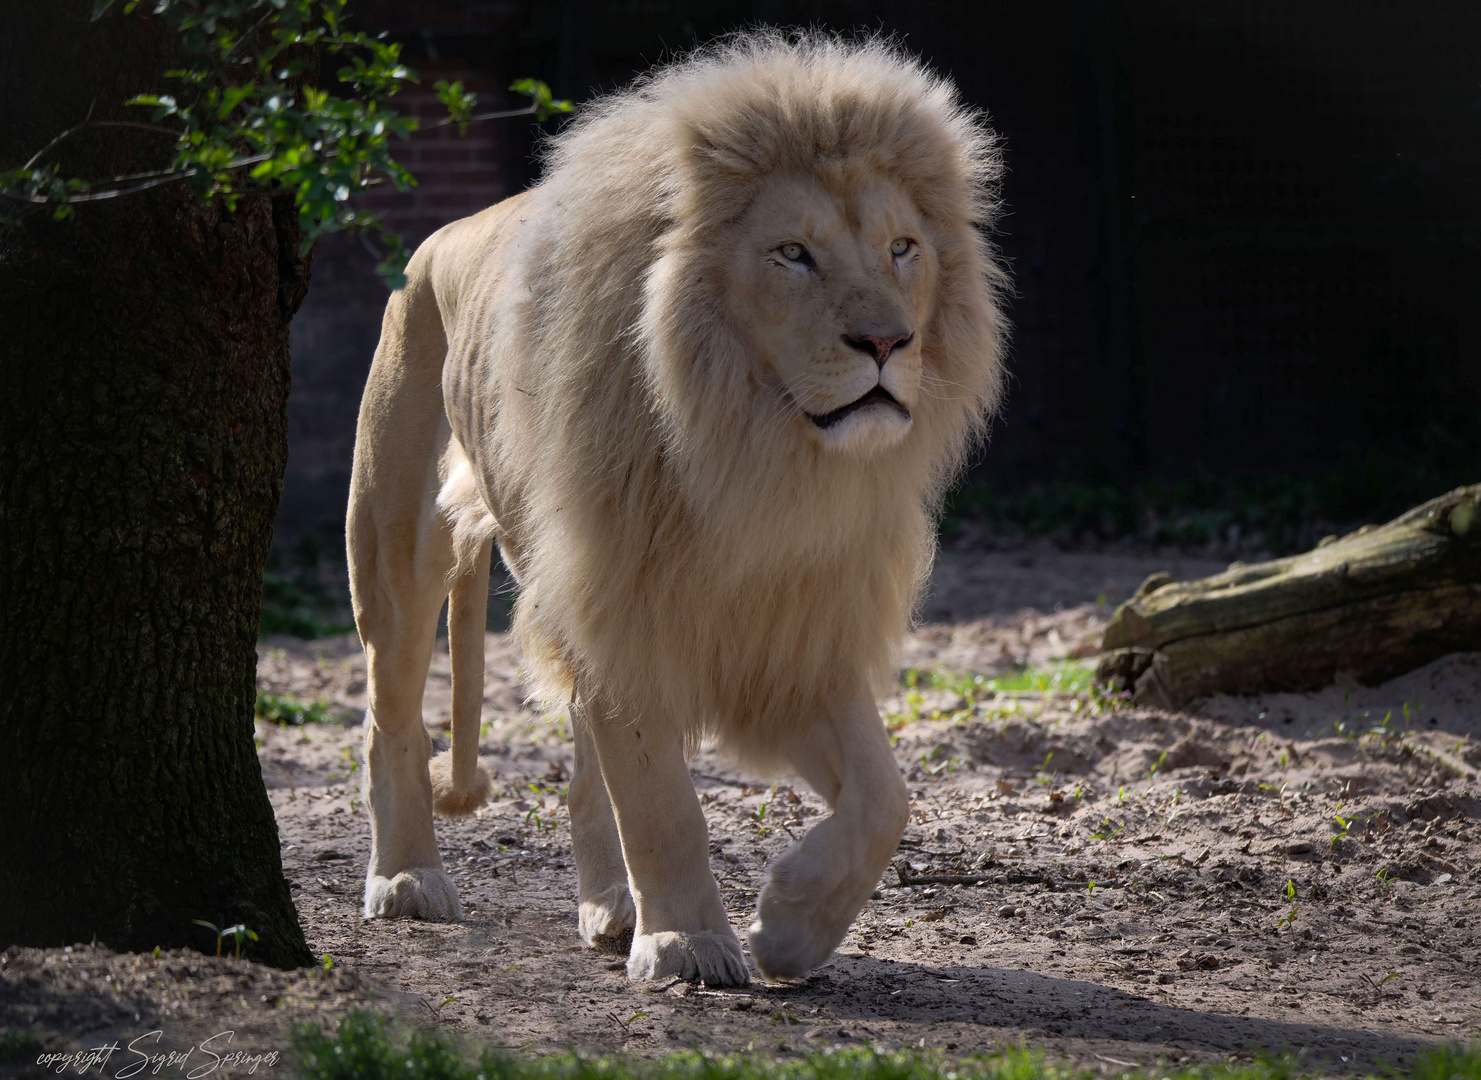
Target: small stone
x=1166 y=977
x=1006 y=911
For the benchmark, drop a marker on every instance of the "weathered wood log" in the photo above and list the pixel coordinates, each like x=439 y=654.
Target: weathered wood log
x=1375 y=603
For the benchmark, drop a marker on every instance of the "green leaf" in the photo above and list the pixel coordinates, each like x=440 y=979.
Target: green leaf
x=545 y=104
x=233 y=96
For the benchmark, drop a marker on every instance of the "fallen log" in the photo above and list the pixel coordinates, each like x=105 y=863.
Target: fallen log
x=1373 y=604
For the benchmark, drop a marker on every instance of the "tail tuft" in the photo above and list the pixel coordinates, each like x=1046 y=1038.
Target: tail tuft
x=451 y=799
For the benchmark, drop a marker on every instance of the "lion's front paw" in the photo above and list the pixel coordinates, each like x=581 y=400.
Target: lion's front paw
x=787 y=950
x=790 y=938
x=608 y=918
x=422 y=893
x=714 y=959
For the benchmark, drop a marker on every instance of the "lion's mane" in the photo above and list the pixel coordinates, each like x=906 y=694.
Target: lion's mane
x=679 y=550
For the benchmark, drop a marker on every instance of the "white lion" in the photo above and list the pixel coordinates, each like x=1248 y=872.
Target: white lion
x=704 y=385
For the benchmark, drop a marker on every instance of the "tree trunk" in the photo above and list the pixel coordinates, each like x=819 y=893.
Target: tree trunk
x=143 y=382
x=1376 y=603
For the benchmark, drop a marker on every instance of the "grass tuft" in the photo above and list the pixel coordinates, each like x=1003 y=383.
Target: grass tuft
x=1069 y=676
x=289 y=711
x=366 y=1048
x=17 y=1044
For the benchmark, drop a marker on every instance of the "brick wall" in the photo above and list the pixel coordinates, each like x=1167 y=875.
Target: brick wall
x=335 y=332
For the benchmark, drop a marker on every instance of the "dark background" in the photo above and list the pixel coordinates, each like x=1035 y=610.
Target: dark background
x=1243 y=236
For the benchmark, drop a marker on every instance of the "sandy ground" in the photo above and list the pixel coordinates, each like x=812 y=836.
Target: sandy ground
x=1114 y=886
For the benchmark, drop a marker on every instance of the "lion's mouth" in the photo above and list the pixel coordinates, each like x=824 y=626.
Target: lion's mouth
x=878 y=396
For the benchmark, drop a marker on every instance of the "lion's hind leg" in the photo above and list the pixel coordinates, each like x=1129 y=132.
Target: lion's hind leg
x=400 y=552
x=398 y=624
x=606 y=914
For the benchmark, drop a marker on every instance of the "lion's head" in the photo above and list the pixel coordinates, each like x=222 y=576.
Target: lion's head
x=833 y=284
x=821 y=289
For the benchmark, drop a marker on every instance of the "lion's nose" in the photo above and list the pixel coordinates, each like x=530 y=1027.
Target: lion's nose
x=878 y=345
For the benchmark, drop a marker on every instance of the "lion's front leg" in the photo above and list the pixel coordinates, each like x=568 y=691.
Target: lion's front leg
x=681 y=928
x=605 y=904
x=814 y=890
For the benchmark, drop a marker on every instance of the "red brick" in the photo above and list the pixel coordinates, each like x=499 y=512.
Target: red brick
x=443 y=155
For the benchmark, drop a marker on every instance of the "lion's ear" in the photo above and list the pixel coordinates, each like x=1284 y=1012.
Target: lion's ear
x=721 y=160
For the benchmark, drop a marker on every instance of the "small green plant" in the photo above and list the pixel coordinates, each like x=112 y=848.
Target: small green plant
x=1384 y=728
x=938 y=761
x=1345 y=824
x=238 y=933
x=288 y=711
x=1290 y=917
x=327 y=964
x=1280 y=796
x=626 y=1025
x=1107 y=832
x=17 y=1044
x=760 y=817
x=1377 y=985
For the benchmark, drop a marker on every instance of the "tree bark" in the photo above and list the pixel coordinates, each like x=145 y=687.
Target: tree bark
x=1376 y=603
x=143 y=382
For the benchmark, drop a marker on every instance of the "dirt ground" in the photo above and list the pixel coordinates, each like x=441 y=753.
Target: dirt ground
x=1115 y=886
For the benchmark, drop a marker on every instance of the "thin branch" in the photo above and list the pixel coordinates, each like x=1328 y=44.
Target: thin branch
x=150 y=180
x=449 y=121
x=251 y=34
x=75 y=128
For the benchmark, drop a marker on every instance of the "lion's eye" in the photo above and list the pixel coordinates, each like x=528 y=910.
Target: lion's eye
x=794 y=252
x=900 y=246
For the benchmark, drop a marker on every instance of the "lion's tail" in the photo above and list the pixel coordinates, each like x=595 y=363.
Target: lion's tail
x=460 y=784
